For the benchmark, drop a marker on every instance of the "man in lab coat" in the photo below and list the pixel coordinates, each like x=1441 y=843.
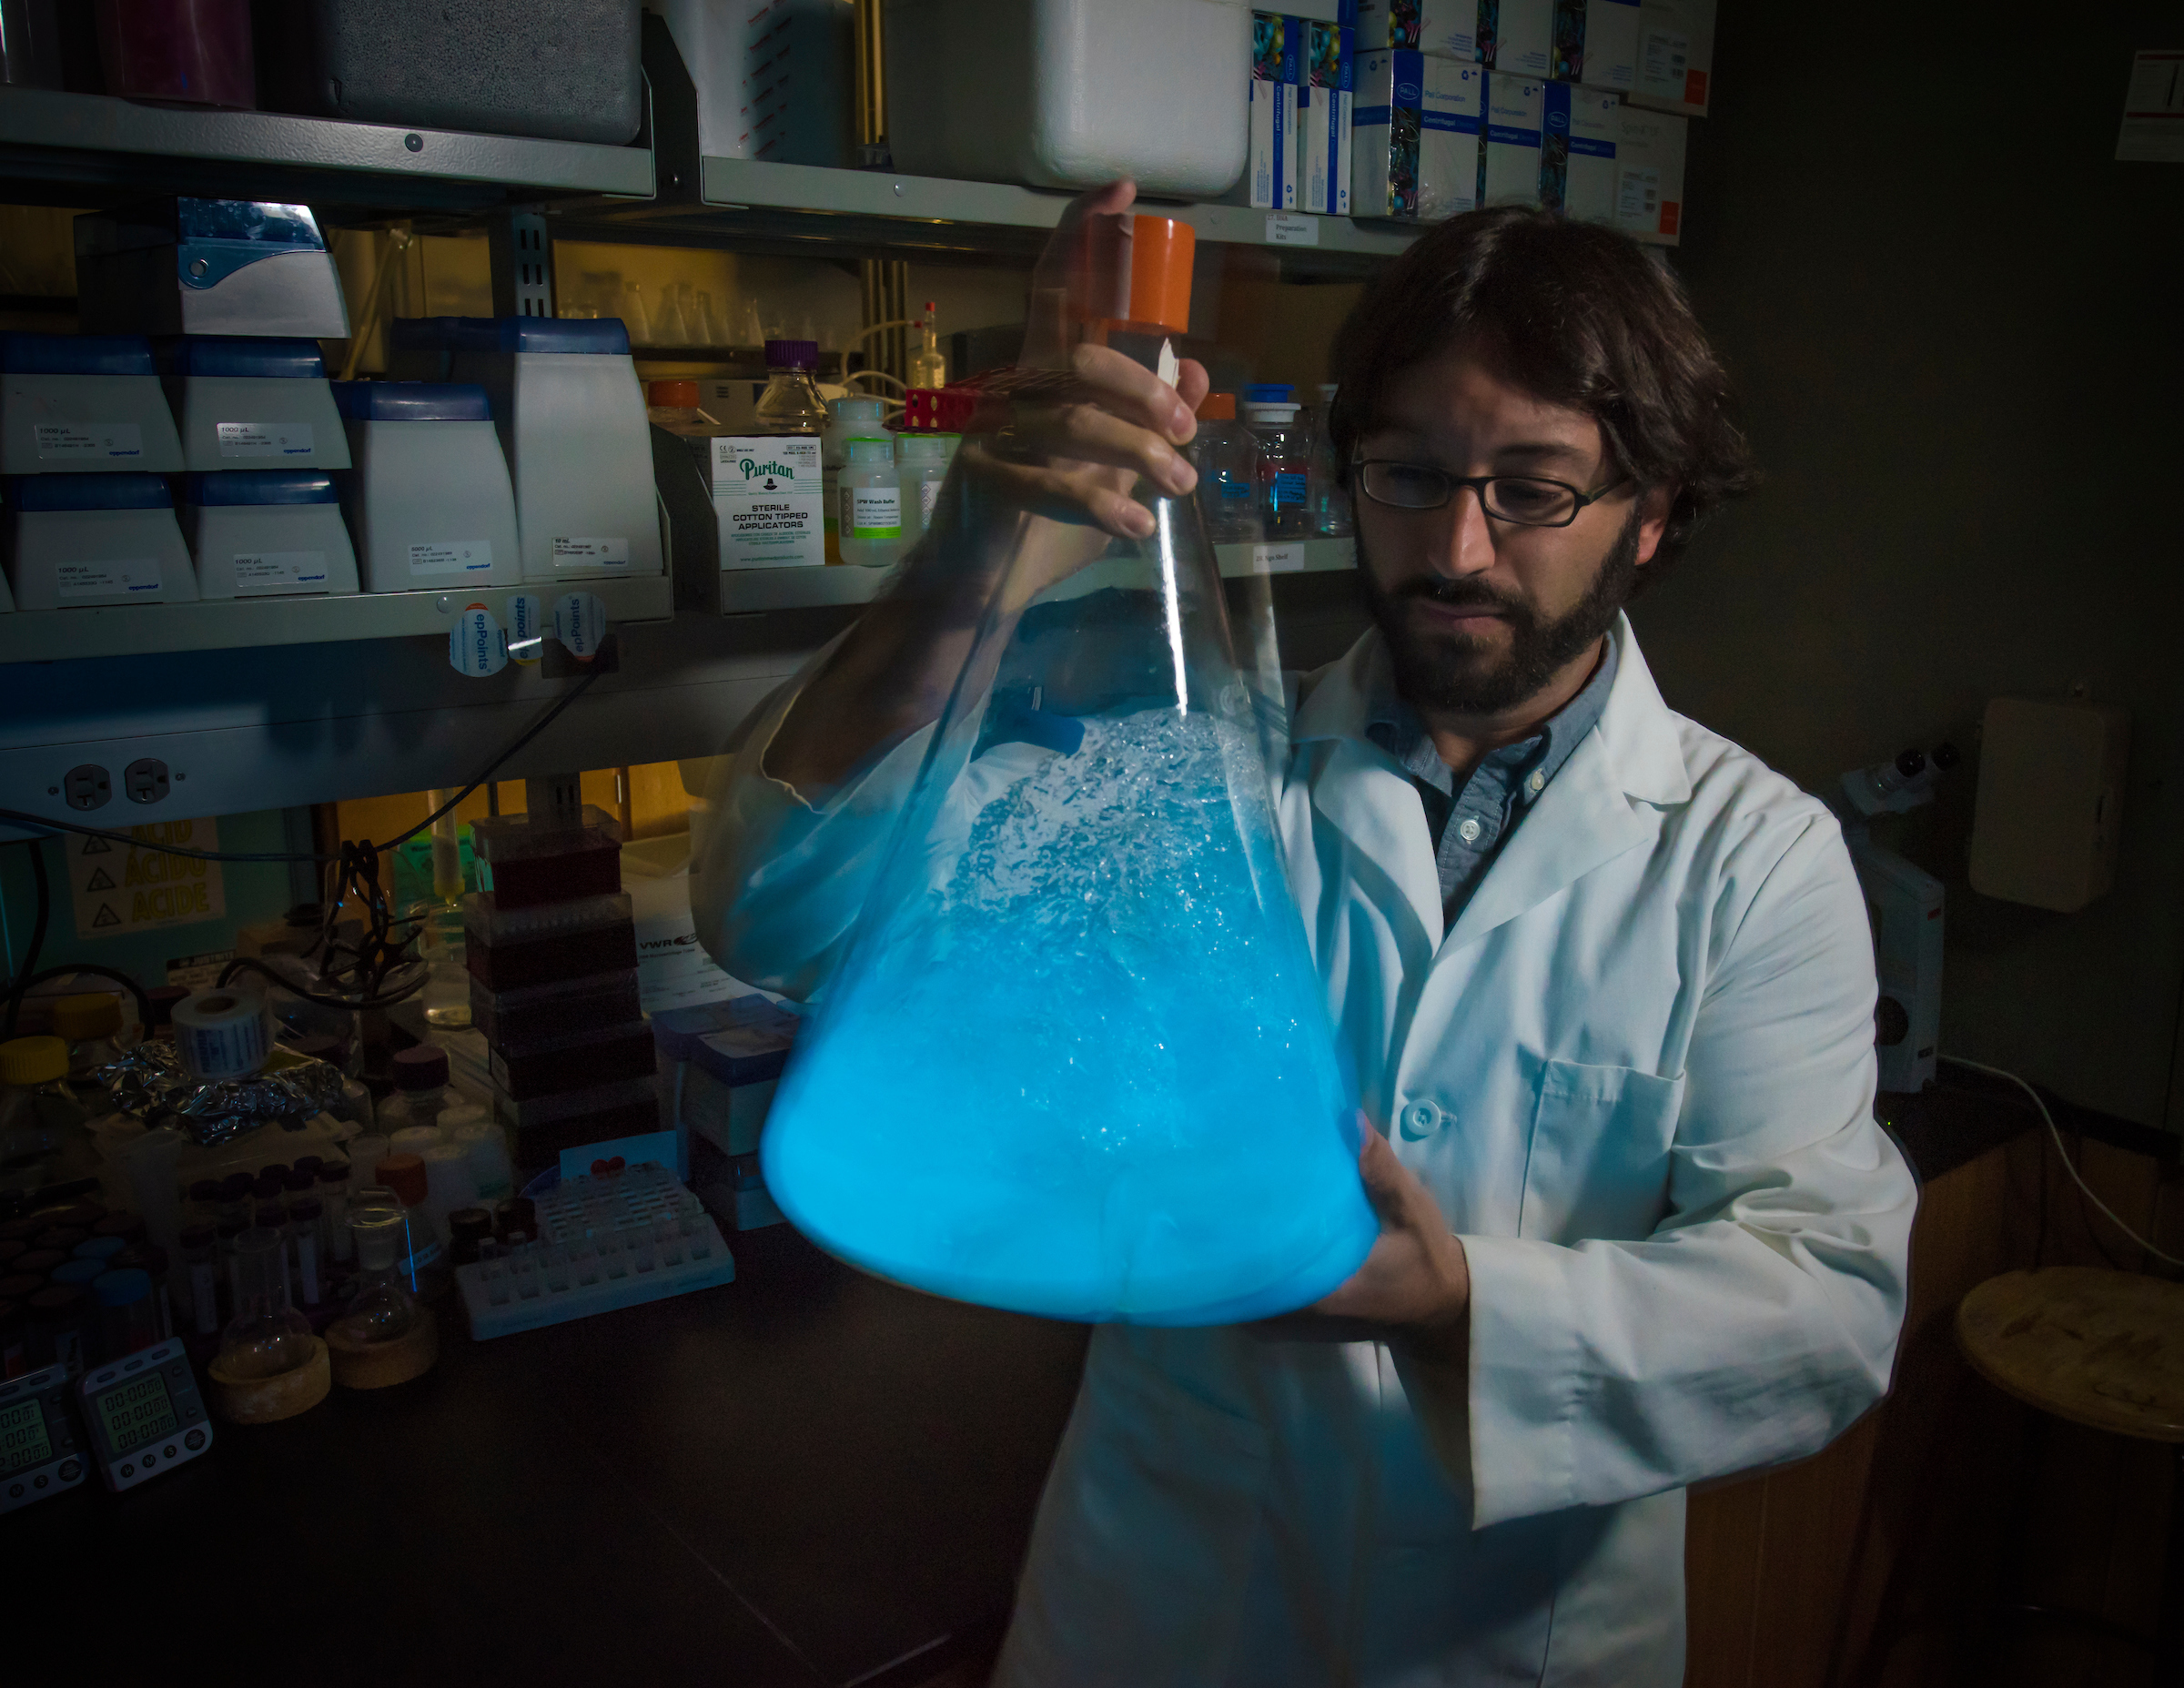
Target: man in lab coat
x=1605 y=980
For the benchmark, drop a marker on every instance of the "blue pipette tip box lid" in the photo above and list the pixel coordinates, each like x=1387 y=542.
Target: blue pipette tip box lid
x=76 y=354
x=129 y=491
x=411 y=401
x=259 y=486
x=238 y=354
x=595 y=335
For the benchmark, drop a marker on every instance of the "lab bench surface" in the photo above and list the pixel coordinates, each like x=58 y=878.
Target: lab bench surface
x=804 y=1477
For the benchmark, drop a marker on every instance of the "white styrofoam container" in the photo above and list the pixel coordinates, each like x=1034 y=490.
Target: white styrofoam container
x=1071 y=92
x=428 y=502
x=270 y=550
x=1515 y=119
x=126 y=550
x=232 y=423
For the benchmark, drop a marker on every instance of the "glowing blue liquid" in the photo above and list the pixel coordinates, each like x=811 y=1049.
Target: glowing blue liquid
x=1083 y=1069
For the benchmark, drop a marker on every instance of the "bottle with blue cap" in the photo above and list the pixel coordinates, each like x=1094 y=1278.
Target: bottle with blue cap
x=565 y=396
x=268 y=533
x=1284 y=459
x=245 y=402
x=82 y=403
x=76 y=542
x=429 y=501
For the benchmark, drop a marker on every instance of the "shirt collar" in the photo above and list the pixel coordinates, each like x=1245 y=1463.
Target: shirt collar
x=1393 y=725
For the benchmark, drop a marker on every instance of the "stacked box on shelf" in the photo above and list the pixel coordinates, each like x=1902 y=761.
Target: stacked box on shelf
x=720 y=1062
x=553 y=955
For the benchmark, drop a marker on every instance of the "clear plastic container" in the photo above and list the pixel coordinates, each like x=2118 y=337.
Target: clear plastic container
x=90 y=1024
x=870 y=516
x=854 y=418
x=791 y=403
x=421 y=1092
x=267 y=1336
x=929 y=367
x=1331 y=504
x=1284 y=466
x=509 y=949
x=47 y=1150
x=921 y=463
x=535 y=862
x=382 y=1306
x=1227 y=459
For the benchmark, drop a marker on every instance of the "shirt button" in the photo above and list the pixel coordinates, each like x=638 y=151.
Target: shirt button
x=1468 y=832
x=1538 y=781
x=1421 y=1118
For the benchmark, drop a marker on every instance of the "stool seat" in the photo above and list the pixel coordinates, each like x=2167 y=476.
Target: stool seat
x=2101 y=1348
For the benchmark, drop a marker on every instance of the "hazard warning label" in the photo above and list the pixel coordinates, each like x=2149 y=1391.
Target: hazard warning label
x=123 y=888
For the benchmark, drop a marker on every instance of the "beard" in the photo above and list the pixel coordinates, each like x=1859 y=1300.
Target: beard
x=1455 y=673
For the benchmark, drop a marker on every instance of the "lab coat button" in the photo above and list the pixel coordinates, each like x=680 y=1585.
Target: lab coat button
x=1421 y=1118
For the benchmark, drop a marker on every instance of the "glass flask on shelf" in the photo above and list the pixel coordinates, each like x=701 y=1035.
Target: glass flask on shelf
x=1074 y=1057
x=380 y=1308
x=267 y=1336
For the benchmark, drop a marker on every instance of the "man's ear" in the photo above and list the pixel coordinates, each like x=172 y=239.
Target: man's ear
x=1653 y=506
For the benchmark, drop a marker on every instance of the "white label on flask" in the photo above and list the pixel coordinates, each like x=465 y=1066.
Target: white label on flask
x=590 y=553
x=1294 y=231
x=875 y=513
x=1278 y=558
x=133 y=577
x=1640 y=201
x=264 y=439
x=66 y=441
x=767 y=498
x=451 y=557
x=259 y=574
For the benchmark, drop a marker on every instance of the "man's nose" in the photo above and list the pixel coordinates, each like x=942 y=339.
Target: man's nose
x=1464 y=542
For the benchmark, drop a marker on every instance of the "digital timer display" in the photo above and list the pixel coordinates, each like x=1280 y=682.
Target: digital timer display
x=138 y=1413
x=23 y=1439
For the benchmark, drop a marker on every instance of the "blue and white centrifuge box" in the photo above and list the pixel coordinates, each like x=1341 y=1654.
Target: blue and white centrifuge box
x=1414 y=144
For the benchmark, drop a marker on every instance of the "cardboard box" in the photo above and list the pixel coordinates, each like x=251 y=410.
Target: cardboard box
x=1414 y=146
x=1515 y=111
x=1445 y=28
x=1518 y=35
x=767 y=500
x=1596 y=43
x=1577 y=151
x=1649 y=175
x=1270 y=172
x=1326 y=104
x=1675 y=56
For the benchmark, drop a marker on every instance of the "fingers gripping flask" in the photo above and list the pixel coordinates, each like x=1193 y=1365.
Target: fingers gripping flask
x=1074 y=1059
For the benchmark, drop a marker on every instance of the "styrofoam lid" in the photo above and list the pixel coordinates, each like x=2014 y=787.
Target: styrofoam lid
x=123 y=491
x=261 y=486
x=556 y=334
x=244 y=355
x=76 y=354
x=411 y=401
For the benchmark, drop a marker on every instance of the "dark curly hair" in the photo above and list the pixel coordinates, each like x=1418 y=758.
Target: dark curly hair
x=1578 y=316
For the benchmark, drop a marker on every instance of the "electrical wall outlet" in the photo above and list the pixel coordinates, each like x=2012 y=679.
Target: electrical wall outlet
x=145 y=781
x=87 y=786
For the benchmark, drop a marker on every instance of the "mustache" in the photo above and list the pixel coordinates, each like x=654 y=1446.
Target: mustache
x=1458 y=595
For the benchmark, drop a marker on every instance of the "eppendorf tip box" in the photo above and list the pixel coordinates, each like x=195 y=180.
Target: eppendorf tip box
x=605 y=1242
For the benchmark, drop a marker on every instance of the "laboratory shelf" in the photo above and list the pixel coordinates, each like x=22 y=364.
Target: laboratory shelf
x=84 y=148
x=756 y=589
x=141 y=629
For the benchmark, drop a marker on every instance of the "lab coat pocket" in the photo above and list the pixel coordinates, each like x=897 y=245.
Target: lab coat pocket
x=1599 y=1156
x=1137 y=1566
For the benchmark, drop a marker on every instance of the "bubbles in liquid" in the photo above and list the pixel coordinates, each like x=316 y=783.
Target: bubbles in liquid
x=1081 y=1068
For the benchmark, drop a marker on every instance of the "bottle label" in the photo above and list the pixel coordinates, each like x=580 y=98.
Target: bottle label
x=1239 y=491
x=768 y=498
x=873 y=512
x=1288 y=490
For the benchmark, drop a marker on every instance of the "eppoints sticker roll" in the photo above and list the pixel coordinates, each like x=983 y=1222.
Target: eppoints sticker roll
x=222 y=1034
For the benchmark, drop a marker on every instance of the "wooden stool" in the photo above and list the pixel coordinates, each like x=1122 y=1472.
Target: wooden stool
x=2101 y=1348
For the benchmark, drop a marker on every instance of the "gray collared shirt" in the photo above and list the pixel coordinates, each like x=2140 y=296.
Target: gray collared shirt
x=1469 y=826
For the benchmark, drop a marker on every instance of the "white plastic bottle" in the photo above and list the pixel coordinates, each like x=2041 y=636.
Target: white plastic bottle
x=921 y=463
x=848 y=419
x=872 y=504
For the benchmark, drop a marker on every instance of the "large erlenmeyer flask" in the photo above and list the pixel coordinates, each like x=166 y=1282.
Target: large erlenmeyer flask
x=1075 y=1060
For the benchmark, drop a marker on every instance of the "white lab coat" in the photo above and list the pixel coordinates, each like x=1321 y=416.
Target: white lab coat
x=1637 y=1075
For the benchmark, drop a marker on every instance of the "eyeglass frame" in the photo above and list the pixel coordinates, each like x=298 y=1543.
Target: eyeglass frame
x=1477 y=484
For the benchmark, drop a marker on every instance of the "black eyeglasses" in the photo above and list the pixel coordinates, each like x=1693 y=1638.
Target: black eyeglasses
x=1525 y=500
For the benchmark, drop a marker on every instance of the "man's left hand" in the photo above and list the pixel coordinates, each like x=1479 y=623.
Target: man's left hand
x=1415 y=1282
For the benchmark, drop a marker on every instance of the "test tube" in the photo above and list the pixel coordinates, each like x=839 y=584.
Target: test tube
x=333 y=1204
x=200 y=1256
x=306 y=1224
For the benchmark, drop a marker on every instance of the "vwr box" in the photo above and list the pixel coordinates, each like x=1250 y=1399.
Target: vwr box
x=1271 y=167
x=1445 y=28
x=1415 y=143
x=1325 y=106
x=1580 y=134
x=1649 y=175
x=1596 y=43
x=1518 y=35
x=1515 y=108
x=1675 y=56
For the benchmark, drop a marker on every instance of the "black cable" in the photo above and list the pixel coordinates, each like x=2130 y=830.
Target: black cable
x=38 y=934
